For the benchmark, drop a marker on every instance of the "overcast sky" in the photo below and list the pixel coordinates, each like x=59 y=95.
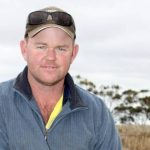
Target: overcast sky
x=113 y=35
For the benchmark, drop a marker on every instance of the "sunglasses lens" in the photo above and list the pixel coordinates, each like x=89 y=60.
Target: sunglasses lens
x=37 y=18
x=62 y=18
x=40 y=17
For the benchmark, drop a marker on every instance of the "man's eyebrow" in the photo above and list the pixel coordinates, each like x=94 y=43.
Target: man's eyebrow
x=66 y=46
x=40 y=43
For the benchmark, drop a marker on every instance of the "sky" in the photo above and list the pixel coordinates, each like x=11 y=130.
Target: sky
x=113 y=36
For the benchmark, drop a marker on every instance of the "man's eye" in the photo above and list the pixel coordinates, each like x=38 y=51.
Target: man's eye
x=61 y=49
x=41 y=47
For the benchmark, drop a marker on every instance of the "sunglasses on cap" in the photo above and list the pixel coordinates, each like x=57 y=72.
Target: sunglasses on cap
x=42 y=17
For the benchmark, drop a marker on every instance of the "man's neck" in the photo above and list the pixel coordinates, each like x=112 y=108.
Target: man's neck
x=46 y=92
x=46 y=96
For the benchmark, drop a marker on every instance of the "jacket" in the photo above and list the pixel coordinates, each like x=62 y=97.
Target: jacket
x=83 y=124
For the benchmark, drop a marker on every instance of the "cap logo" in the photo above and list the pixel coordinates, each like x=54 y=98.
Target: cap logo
x=49 y=17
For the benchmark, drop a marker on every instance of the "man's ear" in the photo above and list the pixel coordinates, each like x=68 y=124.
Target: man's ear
x=74 y=52
x=23 y=47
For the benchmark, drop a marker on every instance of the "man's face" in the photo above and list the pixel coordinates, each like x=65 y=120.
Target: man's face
x=48 y=55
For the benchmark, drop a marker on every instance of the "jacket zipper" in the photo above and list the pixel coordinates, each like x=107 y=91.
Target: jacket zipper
x=55 y=121
x=59 y=119
x=45 y=134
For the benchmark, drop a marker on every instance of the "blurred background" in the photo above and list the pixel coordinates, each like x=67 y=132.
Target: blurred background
x=113 y=35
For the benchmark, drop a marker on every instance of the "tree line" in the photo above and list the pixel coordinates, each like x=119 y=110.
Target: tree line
x=127 y=106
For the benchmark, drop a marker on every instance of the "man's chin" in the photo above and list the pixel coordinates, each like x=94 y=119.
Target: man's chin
x=50 y=82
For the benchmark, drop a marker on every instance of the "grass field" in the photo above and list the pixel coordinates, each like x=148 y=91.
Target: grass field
x=135 y=137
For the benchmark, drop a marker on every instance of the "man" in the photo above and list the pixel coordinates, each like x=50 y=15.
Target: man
x=42 y=109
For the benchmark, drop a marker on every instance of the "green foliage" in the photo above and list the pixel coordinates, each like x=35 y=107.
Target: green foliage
x=129 y=99
x=135 y=110
x=117 y=96
x=130 y=92
x=145 y=100
x=125 y=119
x=144 y=91
x=121 y=108
x=130 y=103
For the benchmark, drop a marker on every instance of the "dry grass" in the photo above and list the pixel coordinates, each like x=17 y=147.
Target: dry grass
x=135 y=137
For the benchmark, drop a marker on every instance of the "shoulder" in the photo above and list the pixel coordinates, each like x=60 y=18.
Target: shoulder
x=6 y=86
x=102 y=119
x=96 y=107
x=6 y=89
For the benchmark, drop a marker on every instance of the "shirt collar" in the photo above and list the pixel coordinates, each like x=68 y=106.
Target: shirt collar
x=70 y=92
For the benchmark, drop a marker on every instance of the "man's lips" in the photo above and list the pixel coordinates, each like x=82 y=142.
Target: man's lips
x=49 y=67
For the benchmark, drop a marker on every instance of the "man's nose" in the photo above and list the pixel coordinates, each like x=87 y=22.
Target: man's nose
x=51 y=54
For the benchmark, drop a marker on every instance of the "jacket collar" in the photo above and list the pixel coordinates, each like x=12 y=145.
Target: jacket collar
x=22 y=85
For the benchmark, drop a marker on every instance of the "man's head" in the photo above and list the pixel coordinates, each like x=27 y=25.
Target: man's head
x=49 y=47
x=49 y=17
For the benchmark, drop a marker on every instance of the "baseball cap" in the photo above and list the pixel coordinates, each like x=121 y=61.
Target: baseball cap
x=50 y=17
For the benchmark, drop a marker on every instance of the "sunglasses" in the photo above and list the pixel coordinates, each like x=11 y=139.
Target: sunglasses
x=59 y=18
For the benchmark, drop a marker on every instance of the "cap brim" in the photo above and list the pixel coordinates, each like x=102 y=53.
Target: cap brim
x=42 y=27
